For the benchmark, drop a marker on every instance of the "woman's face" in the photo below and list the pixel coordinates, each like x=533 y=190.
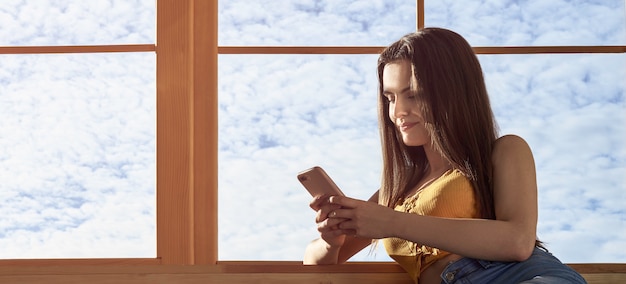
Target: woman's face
x=404 y=111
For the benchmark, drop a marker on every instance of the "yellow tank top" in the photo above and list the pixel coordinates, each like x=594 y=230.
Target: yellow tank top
x=451 y=196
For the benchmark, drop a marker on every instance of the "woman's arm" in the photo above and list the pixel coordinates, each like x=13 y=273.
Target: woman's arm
x=333 y=247
x=511 y=237
x=320 y=252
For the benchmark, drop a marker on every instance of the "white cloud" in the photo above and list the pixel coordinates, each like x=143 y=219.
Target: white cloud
x=76 y=22
x=316 y=121
x=571 y=110
x=78 y=153
x=314 y=22
x=561 y=22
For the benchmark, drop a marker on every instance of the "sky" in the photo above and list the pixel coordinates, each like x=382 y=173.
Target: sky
x=77 y=132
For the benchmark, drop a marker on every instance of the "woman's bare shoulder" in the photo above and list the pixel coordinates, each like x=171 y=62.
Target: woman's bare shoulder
x=510 y=140
x=508 y=144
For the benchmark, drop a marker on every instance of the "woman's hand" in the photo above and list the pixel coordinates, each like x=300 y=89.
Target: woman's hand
x=361 y=218
x=333 y=246
x=328 y=227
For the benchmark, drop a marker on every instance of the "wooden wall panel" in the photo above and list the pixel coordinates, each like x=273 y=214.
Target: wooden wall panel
x=174 y=146
x=251 y=272
x=187 y=131
x=205 y=107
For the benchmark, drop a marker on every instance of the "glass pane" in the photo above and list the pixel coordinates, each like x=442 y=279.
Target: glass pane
x=572 y=111
x=536 y=23
x=278 y=116
x=77 y=22
x=325 y=22
x=77 y=156
x=282 y=114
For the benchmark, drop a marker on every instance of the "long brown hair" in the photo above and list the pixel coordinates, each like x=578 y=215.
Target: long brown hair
x=450 y=86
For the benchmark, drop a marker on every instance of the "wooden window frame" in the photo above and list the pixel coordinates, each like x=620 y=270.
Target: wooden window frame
x=186 y=82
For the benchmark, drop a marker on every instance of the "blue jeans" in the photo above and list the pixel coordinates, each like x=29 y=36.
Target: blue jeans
x=541 y=267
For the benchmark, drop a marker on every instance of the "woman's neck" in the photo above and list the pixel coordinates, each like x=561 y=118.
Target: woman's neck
x=437 y=164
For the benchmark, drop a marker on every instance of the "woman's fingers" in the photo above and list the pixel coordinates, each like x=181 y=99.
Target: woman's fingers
x=330 y=224
x=344 y=201
x=339 y=215
x=324 y=211
x=342 y=213
x=318 y=201
x=364 y=220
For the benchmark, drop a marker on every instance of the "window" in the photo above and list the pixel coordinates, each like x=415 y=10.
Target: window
x=78 y=131
x=74 y=22
x=280 y=114
x=187 y=125
x=570 y=109
x=78 y=155
x=531 y=23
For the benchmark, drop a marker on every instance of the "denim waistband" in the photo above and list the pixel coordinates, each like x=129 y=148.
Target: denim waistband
x=541 y=263
x=460 y=268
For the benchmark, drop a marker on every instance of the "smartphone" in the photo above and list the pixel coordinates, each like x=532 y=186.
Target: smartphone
x=317 y=182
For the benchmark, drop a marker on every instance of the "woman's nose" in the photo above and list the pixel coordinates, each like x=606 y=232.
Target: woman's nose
x=401 y=108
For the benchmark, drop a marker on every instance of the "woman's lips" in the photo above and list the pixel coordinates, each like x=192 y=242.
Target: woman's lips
x=407 y=125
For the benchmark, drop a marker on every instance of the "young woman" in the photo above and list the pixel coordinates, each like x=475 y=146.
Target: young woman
x=456 y=203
